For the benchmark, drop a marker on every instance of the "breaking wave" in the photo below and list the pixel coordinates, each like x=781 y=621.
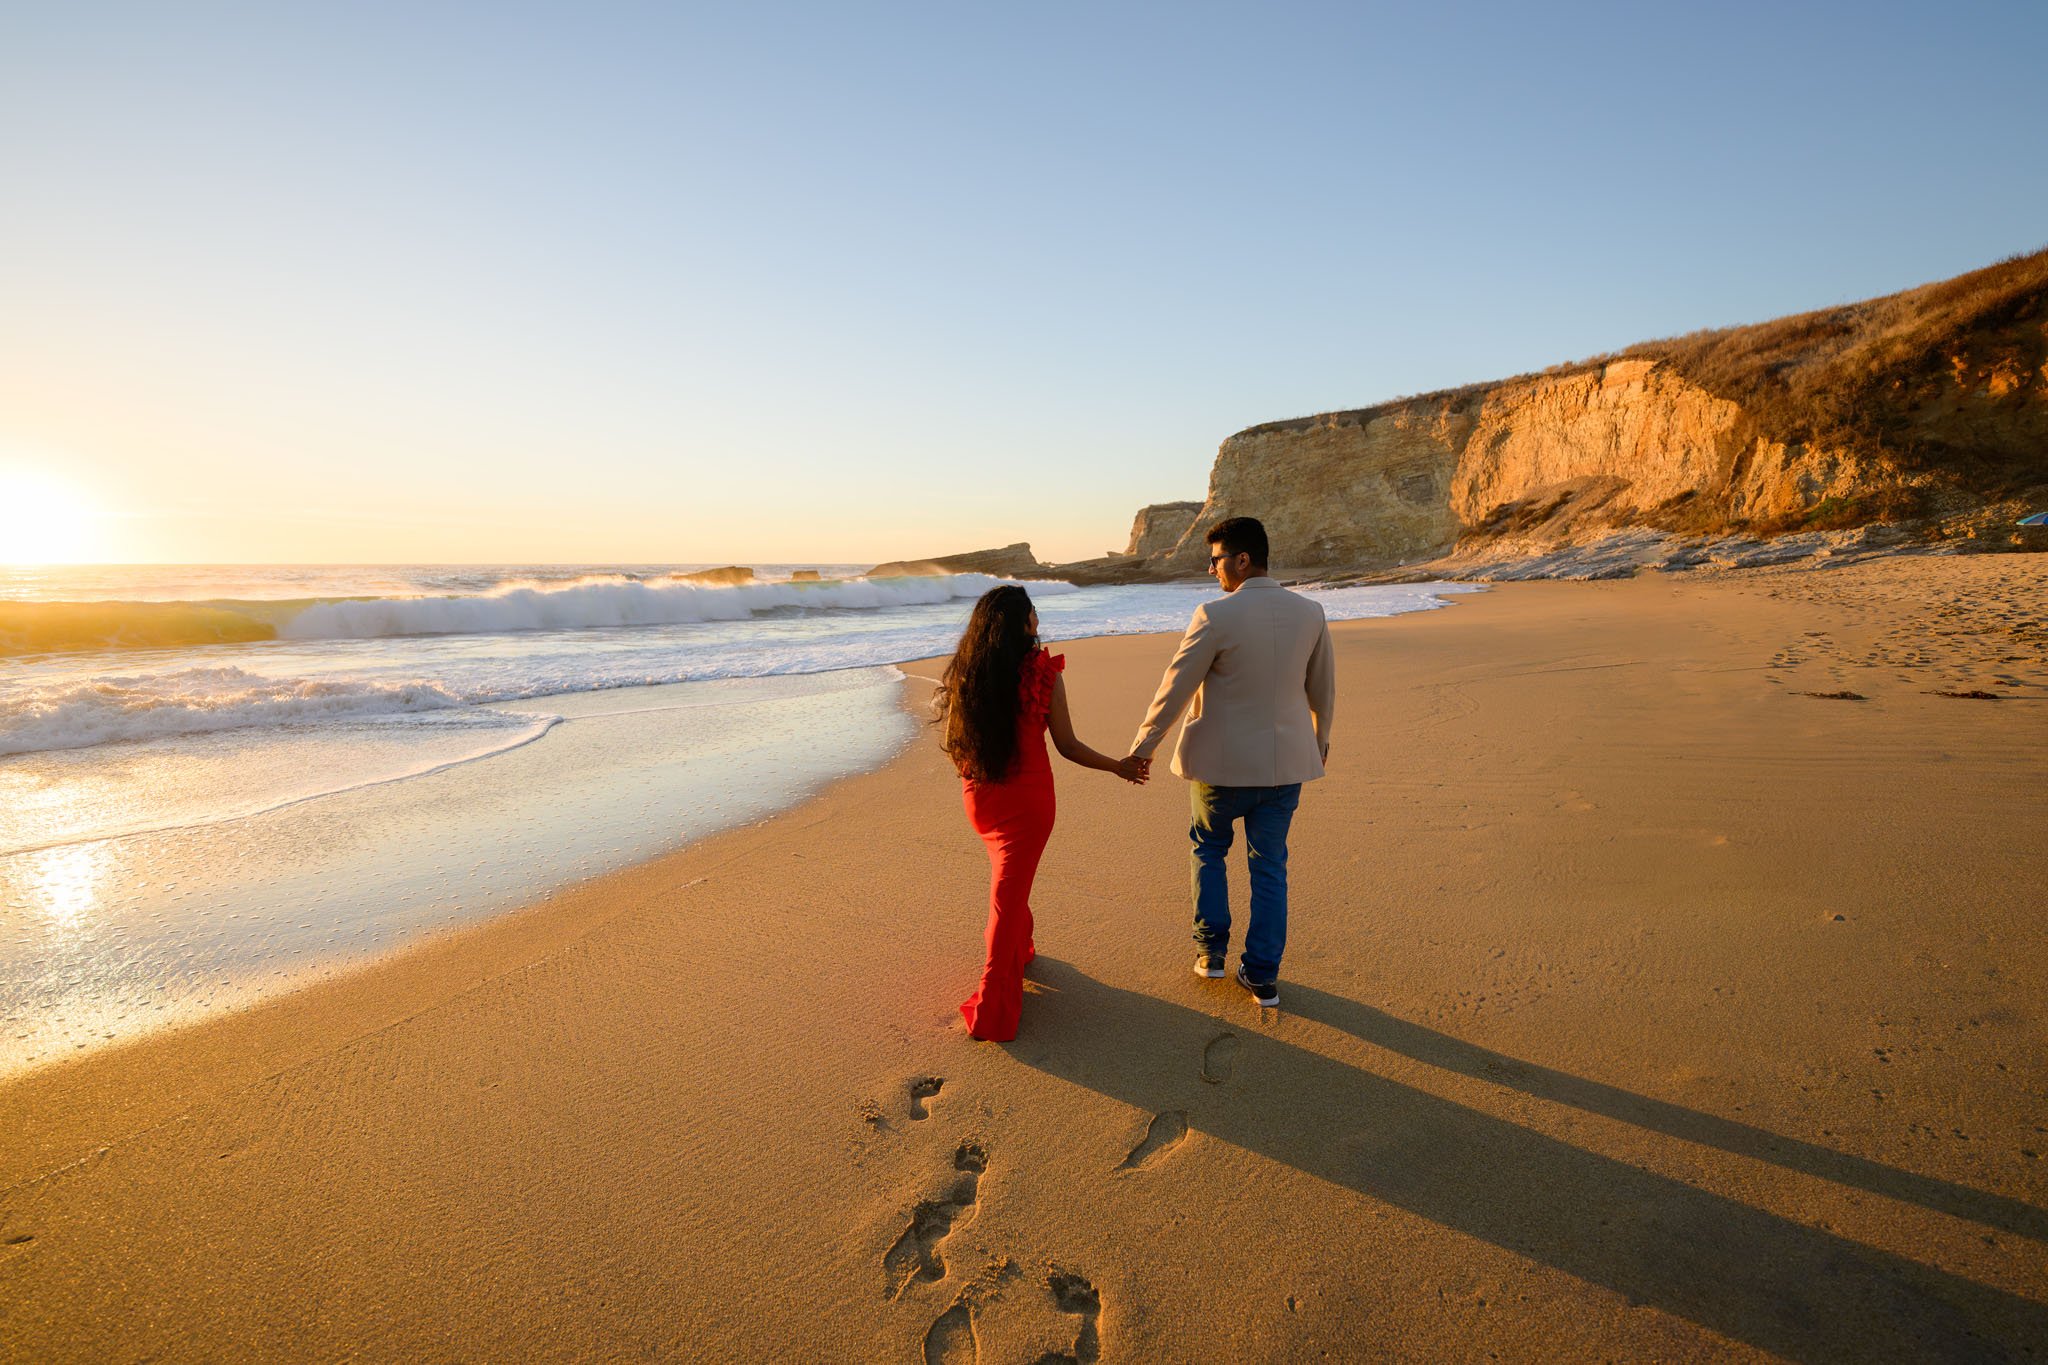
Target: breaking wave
x=603 y=601
x=622 y=602
x=427 y=661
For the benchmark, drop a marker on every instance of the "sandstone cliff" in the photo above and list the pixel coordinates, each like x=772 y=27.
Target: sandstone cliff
x=1159 y=527
x=1926 y=411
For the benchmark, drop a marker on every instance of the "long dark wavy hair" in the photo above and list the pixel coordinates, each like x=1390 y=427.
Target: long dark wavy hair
x=978 y=694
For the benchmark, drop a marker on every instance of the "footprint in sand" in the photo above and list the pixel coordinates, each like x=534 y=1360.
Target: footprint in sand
x=1162 y=1135
x=1218 y=1058
x=922 y=1089
x=950 y=1340
x=1072 y=1293
x=915 y=1256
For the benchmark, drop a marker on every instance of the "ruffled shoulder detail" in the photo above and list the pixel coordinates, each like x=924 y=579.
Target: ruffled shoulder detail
x=1040 y=670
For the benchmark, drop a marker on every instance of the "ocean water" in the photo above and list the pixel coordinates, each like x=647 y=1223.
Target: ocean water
x=214 y=781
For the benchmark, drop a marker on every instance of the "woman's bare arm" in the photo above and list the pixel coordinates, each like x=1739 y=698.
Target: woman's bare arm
x=1060 y=721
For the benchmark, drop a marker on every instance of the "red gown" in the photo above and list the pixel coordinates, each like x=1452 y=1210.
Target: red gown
x=1014 y=818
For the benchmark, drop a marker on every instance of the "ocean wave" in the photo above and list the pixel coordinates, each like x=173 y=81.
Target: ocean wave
x=408 y=657
x=194 y=701
x=620 y=602
x=579 y=604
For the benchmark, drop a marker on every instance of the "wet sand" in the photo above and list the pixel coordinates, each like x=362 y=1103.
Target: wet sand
x=1636 y=1005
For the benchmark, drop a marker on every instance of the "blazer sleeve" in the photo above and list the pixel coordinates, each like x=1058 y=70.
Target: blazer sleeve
x=1321 y=685
x=1177 y=687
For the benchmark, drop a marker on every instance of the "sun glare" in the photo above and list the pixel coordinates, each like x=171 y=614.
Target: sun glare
x=44 y=521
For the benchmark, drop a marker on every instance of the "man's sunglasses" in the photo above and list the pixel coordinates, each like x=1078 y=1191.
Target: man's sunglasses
x=1214 y=560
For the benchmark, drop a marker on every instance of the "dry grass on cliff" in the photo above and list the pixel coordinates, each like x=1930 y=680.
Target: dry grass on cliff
x=1804 y=373
x=1875 y=376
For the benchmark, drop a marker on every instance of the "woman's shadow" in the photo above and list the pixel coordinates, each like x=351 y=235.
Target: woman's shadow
x=1797 y=1291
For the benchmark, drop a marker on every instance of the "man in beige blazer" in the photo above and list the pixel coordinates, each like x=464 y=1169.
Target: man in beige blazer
x=1257 y=666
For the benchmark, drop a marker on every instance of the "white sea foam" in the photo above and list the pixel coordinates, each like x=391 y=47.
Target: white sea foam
x=620 y=602
x=434 y=655
x=204 y=779
x=190 y=701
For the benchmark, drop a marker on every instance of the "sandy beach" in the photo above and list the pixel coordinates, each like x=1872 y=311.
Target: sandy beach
x=1639 y=1004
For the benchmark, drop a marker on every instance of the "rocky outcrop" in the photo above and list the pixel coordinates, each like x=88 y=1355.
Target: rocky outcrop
x=731 y=576
x=1625 y=553
x=1158 y=528
x=1926 y=412
x=1109 y=568
x=1011 y=561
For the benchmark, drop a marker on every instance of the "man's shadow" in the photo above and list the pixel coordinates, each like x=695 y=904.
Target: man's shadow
x=1441 y=1050
x=1796 y=1291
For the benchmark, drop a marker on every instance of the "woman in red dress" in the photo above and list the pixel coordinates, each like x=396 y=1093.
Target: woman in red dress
x=998 y=698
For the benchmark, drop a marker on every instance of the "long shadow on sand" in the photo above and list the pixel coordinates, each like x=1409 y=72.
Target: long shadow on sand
x=1441 y=1050
x=1750 y=1275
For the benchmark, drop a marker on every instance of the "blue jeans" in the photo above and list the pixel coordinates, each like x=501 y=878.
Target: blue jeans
x=1266 y=812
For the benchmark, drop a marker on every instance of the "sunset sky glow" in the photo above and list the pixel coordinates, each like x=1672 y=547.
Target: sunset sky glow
x=636 y=283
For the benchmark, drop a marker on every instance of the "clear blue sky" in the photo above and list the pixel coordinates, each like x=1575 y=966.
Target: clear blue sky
x=603 y=281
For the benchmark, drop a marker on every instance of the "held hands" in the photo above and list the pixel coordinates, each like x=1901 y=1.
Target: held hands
x=1133 y=769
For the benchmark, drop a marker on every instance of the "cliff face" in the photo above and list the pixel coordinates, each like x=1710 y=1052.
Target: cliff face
x=1923 y=409
x=1363 y=488
x=1159 y=527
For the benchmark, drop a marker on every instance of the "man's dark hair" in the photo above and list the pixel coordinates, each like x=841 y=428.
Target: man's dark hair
x=1241 y=536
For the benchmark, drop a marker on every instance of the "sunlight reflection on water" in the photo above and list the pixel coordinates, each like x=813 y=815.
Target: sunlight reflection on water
x=64 y=884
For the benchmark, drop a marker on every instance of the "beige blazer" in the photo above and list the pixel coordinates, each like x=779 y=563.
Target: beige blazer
x=1258 y=668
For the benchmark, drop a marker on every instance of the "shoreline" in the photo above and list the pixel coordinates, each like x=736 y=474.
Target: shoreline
x=122 y=936
x=258 y=860
x=1550 y=1068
